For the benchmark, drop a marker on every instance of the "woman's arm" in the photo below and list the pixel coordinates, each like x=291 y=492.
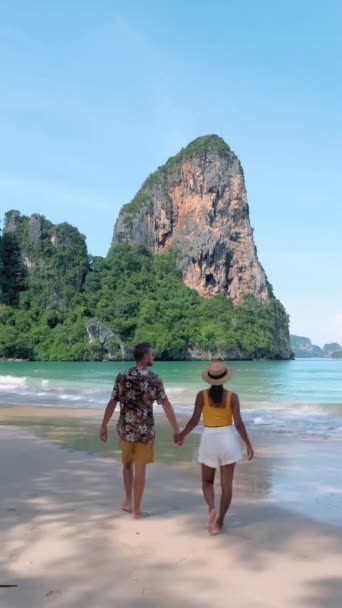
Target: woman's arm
x=194 y=420
x=240 y=426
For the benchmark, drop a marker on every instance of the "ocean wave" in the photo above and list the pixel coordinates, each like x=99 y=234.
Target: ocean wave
x=304 y=421
x=12 y=382
x=67 y=397
x=289 y=417
x=32 y=391
x=175 y=390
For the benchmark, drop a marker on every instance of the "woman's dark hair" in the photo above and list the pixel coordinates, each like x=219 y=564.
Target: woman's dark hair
x=141 y=350
x=216 y=394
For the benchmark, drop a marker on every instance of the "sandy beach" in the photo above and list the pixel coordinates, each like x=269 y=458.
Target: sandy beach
x=65 y=541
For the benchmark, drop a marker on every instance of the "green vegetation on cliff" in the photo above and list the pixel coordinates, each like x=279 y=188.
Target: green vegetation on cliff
x=44 y=311
x=56 y=258
x=12 y=272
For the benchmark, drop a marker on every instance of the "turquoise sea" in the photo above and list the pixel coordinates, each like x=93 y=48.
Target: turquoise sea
x=301 y=397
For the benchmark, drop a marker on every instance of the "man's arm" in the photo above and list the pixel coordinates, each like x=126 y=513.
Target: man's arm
x=170 y=415
x=161 y=398
x=240 y=426
x=195 y=418
x=109 y=411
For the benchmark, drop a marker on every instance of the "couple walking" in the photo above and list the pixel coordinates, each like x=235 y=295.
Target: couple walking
x=136 y=390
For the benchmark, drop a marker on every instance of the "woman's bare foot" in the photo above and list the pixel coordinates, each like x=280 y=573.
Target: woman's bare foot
x=212 y=526
x=127 y=507
x=140 y=515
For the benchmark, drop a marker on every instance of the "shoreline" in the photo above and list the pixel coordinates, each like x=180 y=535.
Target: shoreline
x=204 y=359
x=77 y=429
x=301 y=474
x=294 y=420
x=66 y=540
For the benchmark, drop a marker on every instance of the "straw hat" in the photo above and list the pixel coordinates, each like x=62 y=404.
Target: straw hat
x=217 y=373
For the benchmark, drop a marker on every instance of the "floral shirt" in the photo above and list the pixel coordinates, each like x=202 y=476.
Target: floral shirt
x=136 y=390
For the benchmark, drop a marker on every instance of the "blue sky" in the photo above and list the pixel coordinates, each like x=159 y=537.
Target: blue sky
x=95 y=95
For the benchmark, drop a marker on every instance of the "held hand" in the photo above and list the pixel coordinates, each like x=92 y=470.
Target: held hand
x=250 y=453
x=103 y=434
x=178 y=439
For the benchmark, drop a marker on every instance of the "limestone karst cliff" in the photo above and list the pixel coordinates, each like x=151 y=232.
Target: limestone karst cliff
x=197 y=203
x=182 y=273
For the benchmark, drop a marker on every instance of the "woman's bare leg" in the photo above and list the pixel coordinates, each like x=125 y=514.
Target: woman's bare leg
x=227 y=476
x=208 y=478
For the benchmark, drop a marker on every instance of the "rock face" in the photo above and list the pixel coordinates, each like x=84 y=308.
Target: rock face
x=332 y=348
x=197 y=204
x=35 y=227
x=195 y=353
x=40 y=240
x=113 y=347
x=54 y=256
x=303 y=347
x=12 y=221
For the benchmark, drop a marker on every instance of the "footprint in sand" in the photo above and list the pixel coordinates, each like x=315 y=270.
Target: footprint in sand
x=53 y=594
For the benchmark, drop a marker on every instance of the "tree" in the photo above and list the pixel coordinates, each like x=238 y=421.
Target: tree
x=137 y=295
x=12 y=273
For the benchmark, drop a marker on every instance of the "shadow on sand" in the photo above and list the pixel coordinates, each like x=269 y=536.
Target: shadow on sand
x=96 y=561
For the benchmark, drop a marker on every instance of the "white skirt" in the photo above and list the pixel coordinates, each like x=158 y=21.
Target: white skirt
x=220 y=446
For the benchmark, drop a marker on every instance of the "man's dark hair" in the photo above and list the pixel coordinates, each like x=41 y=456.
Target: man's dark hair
x=141 y=350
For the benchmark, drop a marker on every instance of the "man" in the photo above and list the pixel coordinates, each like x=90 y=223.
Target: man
x=136 y=389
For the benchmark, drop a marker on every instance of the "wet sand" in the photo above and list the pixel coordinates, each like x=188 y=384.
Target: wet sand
x=78 y=429
x=299 y=474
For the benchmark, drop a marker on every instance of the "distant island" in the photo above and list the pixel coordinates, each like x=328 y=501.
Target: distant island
x=303 y=347
x=182 y=272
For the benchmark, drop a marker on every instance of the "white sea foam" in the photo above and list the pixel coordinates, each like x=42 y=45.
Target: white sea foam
x=67 y=397
x=301 y=421
x=286 y=417
x=259 y=420
x=174 y=390
x=8 y=383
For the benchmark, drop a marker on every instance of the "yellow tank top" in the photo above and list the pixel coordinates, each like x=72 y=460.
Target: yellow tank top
x=217 y=416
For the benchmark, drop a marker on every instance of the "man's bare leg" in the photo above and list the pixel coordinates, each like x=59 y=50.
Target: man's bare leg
x=227 y=476
x=139 y=486
x=128 y=483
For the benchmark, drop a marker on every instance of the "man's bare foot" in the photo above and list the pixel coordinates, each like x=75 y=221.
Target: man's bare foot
x=212 y=526
x=127 y=507
x=140 y=515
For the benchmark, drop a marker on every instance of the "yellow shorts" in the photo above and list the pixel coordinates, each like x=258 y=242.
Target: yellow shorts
x=139 y=453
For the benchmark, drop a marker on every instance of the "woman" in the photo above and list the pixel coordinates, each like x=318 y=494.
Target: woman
x=220 y=445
